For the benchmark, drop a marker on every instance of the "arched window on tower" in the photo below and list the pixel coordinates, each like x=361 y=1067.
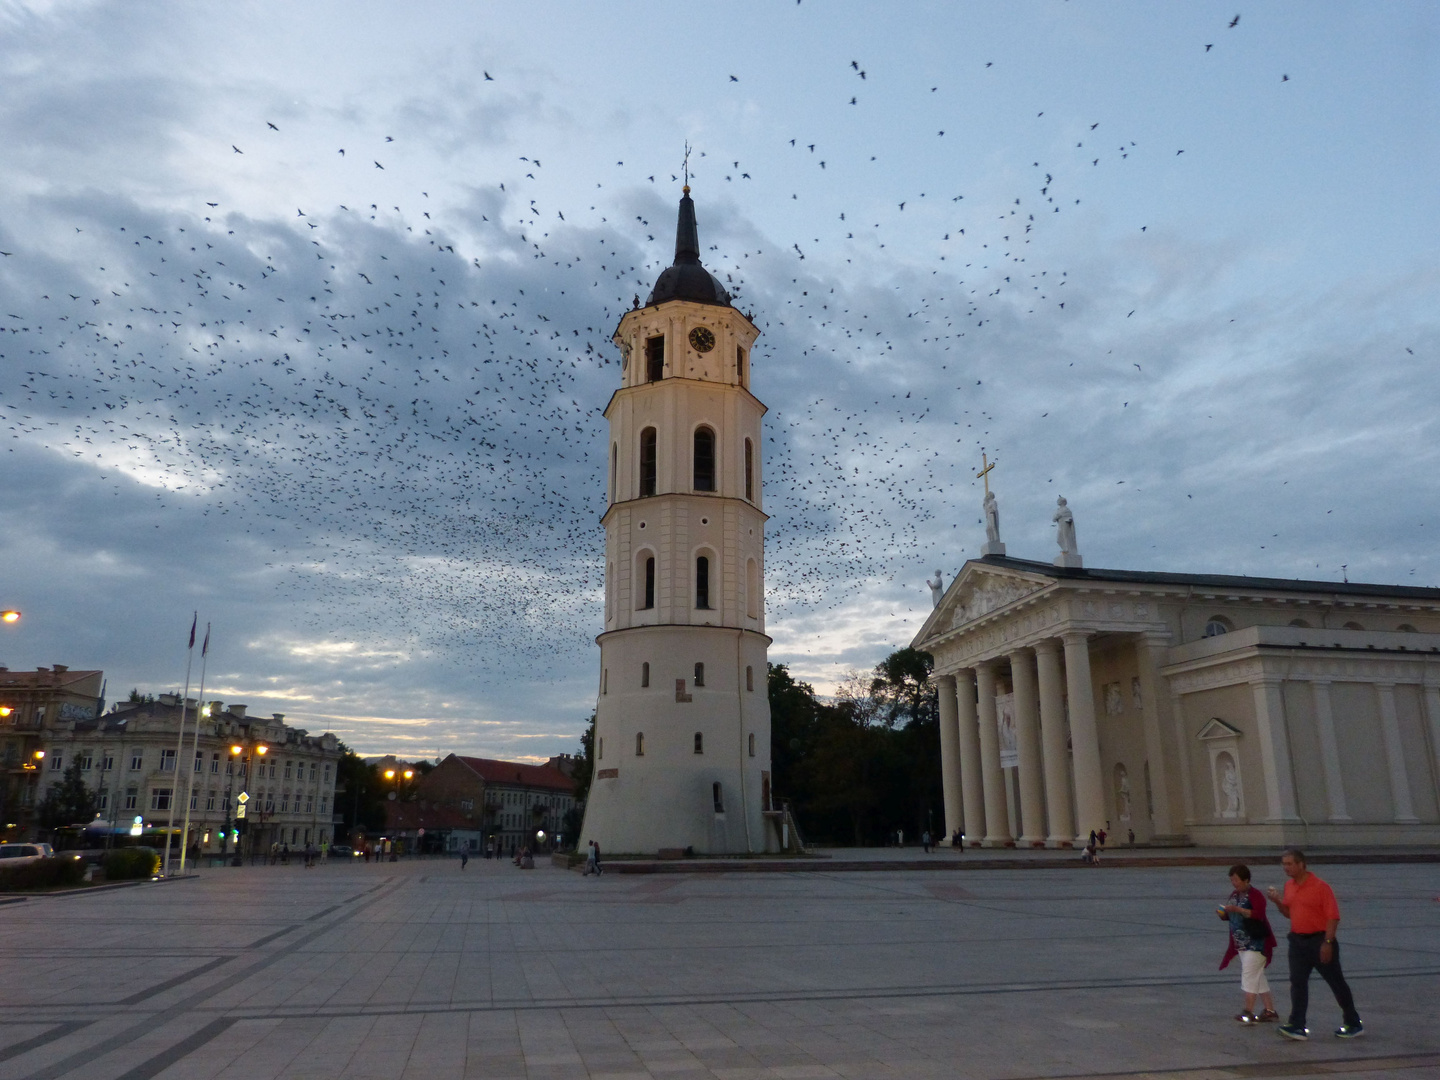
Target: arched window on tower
x=702 y=582
x=614 y=464
x=699 y=674
x=699 y=743
x=752 y=589
x=639 y=744
x=719 y=795
x=647 y=462
x=742 y=366
x=655 y=358
x=647 y=594
x=645 y=673
x=704 y=459
x=749 y=470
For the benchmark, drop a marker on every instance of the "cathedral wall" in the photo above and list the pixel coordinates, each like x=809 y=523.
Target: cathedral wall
x=1305 y=759
x=1362 y=757
x=1235 y=706
x=1419 y=760
x=1115 y=676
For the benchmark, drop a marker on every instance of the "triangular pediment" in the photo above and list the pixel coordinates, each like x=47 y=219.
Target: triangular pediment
x=977 y=591
x=1215 y=728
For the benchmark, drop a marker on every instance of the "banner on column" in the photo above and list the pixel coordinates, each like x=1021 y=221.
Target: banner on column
x=1005 y=720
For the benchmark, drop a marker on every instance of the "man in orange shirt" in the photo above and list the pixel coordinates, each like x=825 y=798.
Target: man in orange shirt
x=1314 y=917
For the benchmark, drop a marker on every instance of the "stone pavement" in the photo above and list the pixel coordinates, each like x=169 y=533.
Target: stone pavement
x=417 y=969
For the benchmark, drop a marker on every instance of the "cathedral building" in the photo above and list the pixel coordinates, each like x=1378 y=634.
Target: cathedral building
x=682 y=723
x=1200 y=708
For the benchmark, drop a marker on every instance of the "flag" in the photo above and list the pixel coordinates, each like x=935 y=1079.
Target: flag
x=194 y=621
x=206 y=647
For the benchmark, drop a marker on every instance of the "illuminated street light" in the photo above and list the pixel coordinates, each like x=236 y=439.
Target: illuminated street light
x=9 y=616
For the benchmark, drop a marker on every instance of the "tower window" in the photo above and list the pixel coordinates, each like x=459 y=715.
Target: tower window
x=752 y=744
x=750 y=683
x=605 y=681
x=639 y=744
x=699 y=674
x=649 y=583
x=655 y=358
x=647 y=462
x=704 y=459
x=645 y=673
x=614 y=463
x=752 y=589
x=719 y=797
x=699 y=743
x=600 y=748
x=749 y=470
x=742 y=366
x=702 y=582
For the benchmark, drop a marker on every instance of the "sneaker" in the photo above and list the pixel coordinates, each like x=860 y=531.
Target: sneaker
x=1269 y=1016
x=1246 y=1018
x=1294 y=1031
x=1350 y=1031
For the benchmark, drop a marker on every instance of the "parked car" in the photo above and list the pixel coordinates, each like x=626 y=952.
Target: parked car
x=341 y=851
x=22 y=854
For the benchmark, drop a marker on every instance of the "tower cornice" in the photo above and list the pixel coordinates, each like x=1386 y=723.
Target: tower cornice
x=680 y=380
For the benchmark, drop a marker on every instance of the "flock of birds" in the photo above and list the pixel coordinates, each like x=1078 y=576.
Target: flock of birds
x=401 y=405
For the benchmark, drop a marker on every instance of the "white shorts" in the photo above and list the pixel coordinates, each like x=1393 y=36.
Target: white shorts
x=1252 y=972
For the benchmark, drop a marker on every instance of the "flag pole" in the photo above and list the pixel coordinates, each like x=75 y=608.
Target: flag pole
x=180 y=746
x=194 y=750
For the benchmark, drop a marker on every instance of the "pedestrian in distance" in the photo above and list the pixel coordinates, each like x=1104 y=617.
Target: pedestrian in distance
x=1252 y=940
x=464 y=857
x=592 y=862
x=925 y=841
x=1314 y=915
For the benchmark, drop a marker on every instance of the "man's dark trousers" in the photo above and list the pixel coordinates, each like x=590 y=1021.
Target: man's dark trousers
x=1305 y=958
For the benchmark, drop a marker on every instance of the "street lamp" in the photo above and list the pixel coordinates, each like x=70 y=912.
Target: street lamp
x=236 y=750
x=9 y=616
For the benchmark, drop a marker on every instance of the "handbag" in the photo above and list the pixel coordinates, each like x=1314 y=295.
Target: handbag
x=1257 y=929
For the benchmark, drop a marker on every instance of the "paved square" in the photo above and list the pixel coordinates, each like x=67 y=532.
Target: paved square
x=417 y=969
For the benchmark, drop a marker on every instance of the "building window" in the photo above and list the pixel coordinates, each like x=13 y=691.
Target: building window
x=86 y=762
x=1217 y=626
x=285 y=802
x=752 y=589
x=210 y=799
x=102 y=802
x=645 y=673
x=309 y=804
x=199 y=761
x=56 y=761
x=702 y=582
x=749 y=677
x=194 y=799
x=699 y=743
x=107 y=762
x=614 y=464
x=649 y=594
x=742 y=366
x=287 y=770
x=647 y=462
x=639 y=744
x=605 y=681
x=137 y=761
x=131 y=795
x=719 y=797
x=752 y=744
x=1353 y=626
x=1404 y=628
x=314 y=771
x=749 y=470
x=599 y=748
x=699 y=674
x=655 y=358
x=167 y=760
x=704 y=464
x=214 y=764
x=327 y=772
x=324 y=800
x=160 y=798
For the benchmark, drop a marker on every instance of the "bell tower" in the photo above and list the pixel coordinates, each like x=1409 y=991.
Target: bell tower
x=682 y=722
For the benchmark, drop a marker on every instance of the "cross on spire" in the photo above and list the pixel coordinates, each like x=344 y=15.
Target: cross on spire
x=984 y=473
x=685 y=165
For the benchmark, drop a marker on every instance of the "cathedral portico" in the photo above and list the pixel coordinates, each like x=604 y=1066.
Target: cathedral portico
x=1186 y=707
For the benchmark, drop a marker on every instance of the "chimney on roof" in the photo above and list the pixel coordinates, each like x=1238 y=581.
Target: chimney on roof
x=38 y=669
x=60 y=669
x=169 y=699
x=238 y=710
x=279 y=717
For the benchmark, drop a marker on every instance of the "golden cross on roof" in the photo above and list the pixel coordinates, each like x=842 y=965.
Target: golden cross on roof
x=685 y=166
x=984 y=473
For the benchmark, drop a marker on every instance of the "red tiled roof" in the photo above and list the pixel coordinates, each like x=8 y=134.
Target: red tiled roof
x=513 y=772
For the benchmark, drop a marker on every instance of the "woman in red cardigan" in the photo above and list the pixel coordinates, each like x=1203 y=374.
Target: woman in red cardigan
x=1253 y=941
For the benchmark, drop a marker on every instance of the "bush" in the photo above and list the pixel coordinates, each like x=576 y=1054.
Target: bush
x=125 y=864
x=54 y=873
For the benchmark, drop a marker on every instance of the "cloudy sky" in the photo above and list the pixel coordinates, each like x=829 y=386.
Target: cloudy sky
x=305 y=316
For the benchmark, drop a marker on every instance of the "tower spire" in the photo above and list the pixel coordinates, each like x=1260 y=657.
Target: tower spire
x=687 y=236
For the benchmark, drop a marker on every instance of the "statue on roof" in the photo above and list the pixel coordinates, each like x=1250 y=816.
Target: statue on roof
x=937 y=589
x=1065 y=534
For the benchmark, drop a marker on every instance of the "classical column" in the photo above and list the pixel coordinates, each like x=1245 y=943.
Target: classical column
x=1329 y=751
x=1395 y=755
x=997 y=814
x=1084 y=735
x=1432 y=717
x=971 y=789
x=949 y=755
x=1154 y=695
x=1274 y=749
x=1056 y=754
x=1027 y=745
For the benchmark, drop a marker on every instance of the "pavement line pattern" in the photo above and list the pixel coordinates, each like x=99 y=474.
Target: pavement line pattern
x=160 y=1062
x=1262 y=1069
x=178 y=980
x=59 y=1031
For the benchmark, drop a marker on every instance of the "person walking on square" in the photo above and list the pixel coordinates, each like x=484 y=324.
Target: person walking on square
x=1253 y=941
x=464 y=856
x=1314 y=915
x=925 y=841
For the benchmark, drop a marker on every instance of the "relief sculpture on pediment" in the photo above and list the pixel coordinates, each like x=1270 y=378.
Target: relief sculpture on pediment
x=987 y=595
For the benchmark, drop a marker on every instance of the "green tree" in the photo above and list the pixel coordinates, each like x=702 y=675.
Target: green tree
x=362 y=802
x=70 y=802
x=585 y=762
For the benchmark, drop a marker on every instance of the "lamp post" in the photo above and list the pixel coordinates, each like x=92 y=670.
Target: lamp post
x=397 y=776
x=236 y=760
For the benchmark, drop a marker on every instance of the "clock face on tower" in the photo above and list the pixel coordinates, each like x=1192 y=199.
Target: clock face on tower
x=701 y=339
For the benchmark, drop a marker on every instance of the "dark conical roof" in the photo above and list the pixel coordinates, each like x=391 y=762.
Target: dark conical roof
x=686 y=279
